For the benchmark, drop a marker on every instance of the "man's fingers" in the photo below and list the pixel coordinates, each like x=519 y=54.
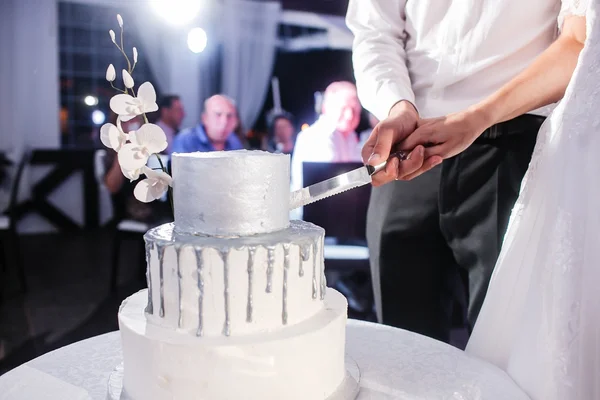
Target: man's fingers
x=367 y=149
x=383 y=145
x=420 y=136
x=427 y=165
x=439 y=150
x=412 y=163
x=396 y=169
x=388 y=174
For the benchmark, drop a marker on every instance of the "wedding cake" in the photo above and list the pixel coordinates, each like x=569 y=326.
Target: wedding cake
x=237 y=305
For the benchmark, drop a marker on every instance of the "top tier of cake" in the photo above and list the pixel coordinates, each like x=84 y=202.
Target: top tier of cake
x=231 y=193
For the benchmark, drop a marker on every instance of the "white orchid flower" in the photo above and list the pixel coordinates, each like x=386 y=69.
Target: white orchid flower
x=144 y=142
x=153 y=187
x=128 y=107
x=112 y=36
x=113 y=136
x=135 y=55
x=127 y=79
x=120 y=20
x=111 y=74
x=132 y=175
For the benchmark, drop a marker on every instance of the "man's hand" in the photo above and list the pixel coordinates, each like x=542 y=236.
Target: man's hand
x=447 y=136
x=401 y=122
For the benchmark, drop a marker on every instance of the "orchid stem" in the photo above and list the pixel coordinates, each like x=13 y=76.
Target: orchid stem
x=170 y=189
x=123 y=51
x=116 y=88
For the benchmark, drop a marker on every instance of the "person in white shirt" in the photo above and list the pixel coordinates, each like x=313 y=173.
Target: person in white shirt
x=172 y=114
x=422 y=59
x=332 y=138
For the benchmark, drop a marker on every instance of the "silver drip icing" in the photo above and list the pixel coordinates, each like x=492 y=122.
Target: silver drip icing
x=179 y=293
x=161 y=274
x=249 y=305
x=270 y=265
x=225 y=257
x=323 y=278
x=286 y=268
x=304 y=255
x=314 y=272
x=304 y=235
x=200 y=272
x=149 y=246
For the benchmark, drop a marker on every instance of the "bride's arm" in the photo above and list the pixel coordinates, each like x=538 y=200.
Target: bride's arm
x=543 y=82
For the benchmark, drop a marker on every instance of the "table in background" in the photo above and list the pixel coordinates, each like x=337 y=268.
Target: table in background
x=394 y=364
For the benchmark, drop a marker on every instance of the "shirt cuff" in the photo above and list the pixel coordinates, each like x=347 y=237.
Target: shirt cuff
x=388 y=95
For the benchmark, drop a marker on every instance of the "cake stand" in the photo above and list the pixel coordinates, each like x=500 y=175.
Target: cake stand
x=348 y=390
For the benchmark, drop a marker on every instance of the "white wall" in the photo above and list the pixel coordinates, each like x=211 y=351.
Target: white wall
x=29 y=91
x=29 y=95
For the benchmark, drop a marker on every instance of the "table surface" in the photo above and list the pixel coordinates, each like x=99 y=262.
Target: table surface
x=394 y=364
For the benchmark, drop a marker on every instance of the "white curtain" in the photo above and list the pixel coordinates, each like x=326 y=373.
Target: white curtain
x=177 y=70
x=249 y=34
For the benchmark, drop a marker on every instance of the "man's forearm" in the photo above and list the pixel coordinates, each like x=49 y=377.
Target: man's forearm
x=543 y=82
x=378 y=54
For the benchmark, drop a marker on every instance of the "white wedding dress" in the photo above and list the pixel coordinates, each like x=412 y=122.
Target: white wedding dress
x=541 y=319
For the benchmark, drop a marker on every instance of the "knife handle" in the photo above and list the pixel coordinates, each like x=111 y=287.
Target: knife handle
x=400 y=155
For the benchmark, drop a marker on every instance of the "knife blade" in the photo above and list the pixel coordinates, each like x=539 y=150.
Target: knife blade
x=339 y=184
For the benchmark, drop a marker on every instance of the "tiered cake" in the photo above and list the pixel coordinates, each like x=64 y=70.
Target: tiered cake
x=237 y=305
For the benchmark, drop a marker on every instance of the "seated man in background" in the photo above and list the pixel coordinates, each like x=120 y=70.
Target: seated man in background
x=215 y=132
x=364 y=135
x=332 y=138
x=171 y=115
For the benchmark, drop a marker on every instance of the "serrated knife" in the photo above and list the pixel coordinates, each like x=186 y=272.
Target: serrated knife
x=338 y=184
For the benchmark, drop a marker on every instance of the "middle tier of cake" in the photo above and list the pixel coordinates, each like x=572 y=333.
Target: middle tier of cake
x=210 y=286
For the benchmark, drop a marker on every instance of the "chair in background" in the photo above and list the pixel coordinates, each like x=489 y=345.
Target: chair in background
x=126 y=229
x=344 y=218
x=8 y=227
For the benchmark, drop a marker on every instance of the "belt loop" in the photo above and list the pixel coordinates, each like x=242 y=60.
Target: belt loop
x=494 y=131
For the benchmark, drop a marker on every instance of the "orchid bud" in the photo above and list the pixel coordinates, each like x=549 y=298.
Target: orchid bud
x=127 y=79
x=112 y=36
x=120 y=20
x=111 y=74
x=135 y=55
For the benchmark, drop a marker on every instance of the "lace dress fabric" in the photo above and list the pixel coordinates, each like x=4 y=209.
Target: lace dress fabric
x=541 y=319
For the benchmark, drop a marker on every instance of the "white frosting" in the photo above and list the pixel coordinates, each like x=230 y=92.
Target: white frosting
x=237 y=305
x=300 y=362
x=230 y=193
x=211 y=305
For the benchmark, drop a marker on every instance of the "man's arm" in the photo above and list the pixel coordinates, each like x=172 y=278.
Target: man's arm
x=543 y=82
x=378 y=54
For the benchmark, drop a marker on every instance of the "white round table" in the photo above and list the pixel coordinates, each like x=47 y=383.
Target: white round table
x=394 y=364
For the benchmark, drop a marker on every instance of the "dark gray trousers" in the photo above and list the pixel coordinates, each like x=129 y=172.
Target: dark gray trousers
x=425 y=233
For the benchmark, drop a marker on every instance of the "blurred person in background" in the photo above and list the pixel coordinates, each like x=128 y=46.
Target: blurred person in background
x=364 y=135
x=216 y=132
x=281 y=135
x=333 y=137
x=172 y=114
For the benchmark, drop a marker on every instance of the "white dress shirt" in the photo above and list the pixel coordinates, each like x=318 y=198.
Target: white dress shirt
x=444 y=55
x=321 y=143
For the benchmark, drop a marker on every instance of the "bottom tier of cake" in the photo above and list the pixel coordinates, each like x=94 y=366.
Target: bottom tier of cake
x=303 y=361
